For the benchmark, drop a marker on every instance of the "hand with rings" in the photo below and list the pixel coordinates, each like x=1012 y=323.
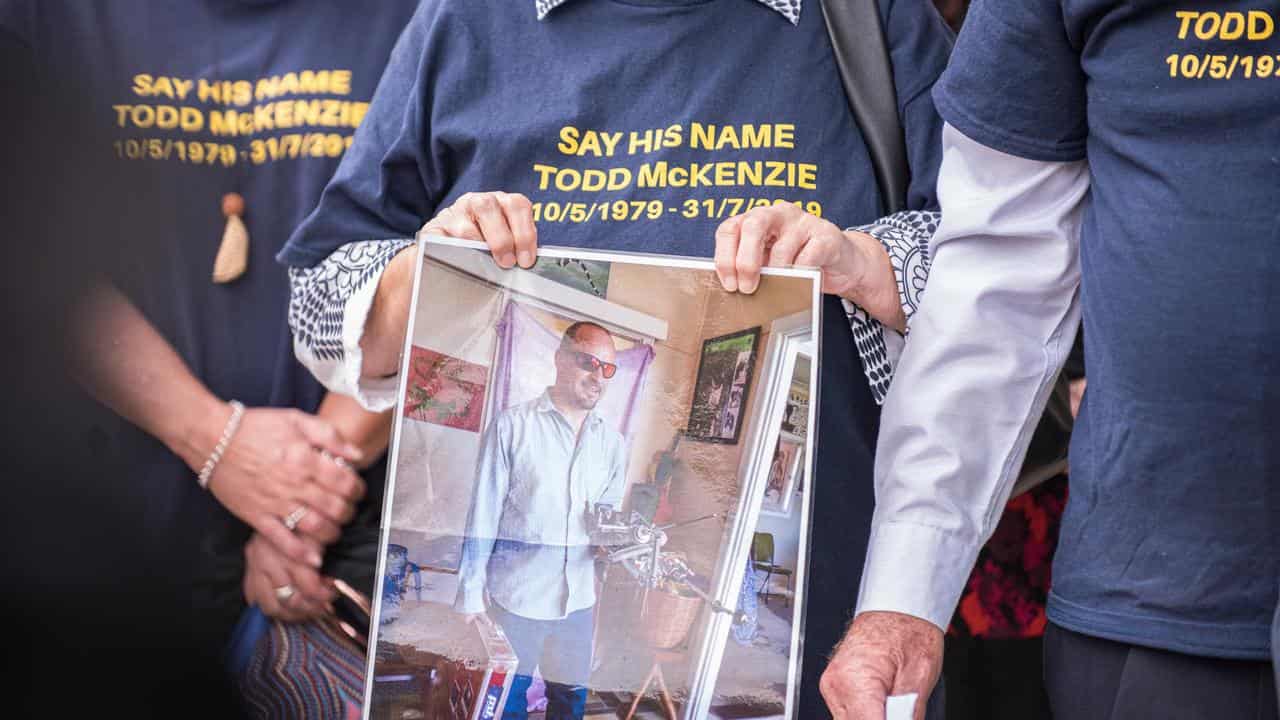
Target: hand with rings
x=289 y=476
x=281 y=587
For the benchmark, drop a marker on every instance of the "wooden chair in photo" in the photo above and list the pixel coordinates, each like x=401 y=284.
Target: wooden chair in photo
x=762 y=559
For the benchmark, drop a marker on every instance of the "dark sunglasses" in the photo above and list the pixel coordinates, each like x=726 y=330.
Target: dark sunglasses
x=591 y=363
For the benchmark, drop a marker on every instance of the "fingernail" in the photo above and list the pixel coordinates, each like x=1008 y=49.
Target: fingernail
x=314 y=559
x=507 y=260
x=526 y=259
x=731 y=284
x=748 y=288
x=355 y=452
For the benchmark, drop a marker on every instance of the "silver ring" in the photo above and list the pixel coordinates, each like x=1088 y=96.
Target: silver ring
x=339 y=461
x=291 y=521
x=284 y=592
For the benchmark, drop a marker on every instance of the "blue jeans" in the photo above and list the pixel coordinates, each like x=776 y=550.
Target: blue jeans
x=562 y=648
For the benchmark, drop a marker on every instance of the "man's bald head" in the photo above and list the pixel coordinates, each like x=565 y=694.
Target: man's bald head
x=587 y=358
x=589 y=337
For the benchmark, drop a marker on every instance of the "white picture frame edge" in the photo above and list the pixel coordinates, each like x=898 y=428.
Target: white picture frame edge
x=786 y=336
x=384 y=517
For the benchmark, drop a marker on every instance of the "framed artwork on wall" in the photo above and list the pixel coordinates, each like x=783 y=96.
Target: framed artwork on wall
x=445 y=390
x=720 y=393
x=785 y=472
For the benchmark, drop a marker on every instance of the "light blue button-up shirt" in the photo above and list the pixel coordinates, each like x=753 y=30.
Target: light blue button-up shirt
x=527 y=538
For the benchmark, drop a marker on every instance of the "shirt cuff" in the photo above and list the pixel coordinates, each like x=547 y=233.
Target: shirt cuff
x=905 y=236
x=328 y=308
x=470 y=598
x=916 y=570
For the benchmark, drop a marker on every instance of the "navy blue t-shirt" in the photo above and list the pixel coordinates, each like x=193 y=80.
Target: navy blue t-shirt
x=641 y=125
x=1170 y=536
x=193 y=100
x=630 y=125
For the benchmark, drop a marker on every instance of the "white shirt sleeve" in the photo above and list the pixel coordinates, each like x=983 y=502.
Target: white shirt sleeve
x=328 y=308
x=986 y=345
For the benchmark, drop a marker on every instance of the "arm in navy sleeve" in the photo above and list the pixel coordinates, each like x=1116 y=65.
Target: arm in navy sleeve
x=388 y=183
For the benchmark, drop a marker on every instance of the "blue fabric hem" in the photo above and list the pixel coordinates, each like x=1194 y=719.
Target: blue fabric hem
x=1005 y=142
x=1215 y=640
x=249 y=630
x=300 y=256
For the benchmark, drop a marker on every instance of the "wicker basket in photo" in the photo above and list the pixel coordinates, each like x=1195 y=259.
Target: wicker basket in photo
x=668 y=617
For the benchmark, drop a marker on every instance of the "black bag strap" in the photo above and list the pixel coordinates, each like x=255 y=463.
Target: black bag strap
x=862 y=55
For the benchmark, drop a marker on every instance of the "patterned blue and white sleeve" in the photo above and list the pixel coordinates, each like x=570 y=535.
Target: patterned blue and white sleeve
x=905 y=236
x=328 y=307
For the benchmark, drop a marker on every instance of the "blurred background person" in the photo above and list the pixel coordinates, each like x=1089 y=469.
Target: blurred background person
x=172 y=149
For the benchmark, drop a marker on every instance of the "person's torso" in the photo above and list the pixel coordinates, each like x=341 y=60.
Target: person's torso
x=1174 y=507
x=557 y=474
x=198 y=100
x=542 y=564
x=202 y=99
x=642 y=125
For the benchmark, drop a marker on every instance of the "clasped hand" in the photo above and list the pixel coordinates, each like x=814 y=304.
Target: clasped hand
x=288 y=475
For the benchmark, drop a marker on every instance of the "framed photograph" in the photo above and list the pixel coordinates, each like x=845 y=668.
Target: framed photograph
x=720 y=393
x=628 y=588
x=784 y=474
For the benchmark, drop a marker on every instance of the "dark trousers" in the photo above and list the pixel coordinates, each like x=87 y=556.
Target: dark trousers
x=562 y=649
x=1094 y=679
x=1275 y=649
x=995 y=679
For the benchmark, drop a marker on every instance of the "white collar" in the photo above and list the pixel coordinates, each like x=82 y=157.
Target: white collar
x=789 y=9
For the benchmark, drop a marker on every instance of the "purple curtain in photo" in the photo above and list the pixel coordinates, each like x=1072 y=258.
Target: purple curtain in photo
x=525 y=367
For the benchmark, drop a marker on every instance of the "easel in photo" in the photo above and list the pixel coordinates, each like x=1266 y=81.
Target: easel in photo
x=655 y=676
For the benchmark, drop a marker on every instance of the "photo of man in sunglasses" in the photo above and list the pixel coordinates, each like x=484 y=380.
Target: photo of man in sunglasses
x=527 y=561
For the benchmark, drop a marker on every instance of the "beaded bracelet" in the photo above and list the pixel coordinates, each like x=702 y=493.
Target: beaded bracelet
x=233 y=422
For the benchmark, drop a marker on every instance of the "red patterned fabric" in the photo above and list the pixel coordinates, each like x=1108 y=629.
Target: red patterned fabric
x=1006 y=592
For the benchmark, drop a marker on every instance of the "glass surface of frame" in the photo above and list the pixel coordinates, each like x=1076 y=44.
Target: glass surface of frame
x=558 y=537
